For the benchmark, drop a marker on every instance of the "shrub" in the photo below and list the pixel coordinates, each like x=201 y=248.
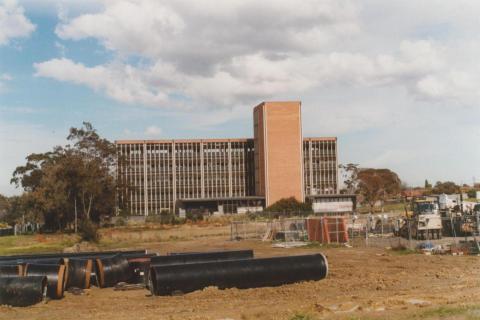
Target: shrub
x=252 y=215
x=289 y=207
x=194 y=216
x=89 y=231
x=472 y=193
x=165 y=217
x=153 y=218
x=120 y=222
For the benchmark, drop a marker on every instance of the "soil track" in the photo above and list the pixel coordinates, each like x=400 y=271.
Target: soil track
x=363 y=283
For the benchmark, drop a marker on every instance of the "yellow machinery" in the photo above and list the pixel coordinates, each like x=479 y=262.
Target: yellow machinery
x=423 y=219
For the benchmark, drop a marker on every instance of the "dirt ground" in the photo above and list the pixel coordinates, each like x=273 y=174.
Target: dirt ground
x=363 y=283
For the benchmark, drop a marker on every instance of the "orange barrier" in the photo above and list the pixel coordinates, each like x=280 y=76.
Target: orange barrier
x=327 y=229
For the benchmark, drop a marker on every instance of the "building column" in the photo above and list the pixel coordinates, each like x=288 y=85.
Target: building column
x=145 y=183
x=174 y=177
x=336 y=166
x=230 y=187
x=202 y=172
x=310 y=163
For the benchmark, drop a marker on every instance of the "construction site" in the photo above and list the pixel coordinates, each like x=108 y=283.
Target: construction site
x=199 y=233
x=362 y=282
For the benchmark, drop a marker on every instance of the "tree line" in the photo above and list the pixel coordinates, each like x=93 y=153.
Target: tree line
x=76 y=182
x=70 y=183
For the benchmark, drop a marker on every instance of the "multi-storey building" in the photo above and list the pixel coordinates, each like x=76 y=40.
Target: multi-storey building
x=228 y=175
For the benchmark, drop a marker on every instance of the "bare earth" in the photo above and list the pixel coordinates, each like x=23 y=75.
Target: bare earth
x=363 y=283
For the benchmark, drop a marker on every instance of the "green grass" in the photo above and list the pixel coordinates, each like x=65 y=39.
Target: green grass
x=389 y=207
x=467 y=312
x=402 y=250
x=34 y=244
x=316 y=245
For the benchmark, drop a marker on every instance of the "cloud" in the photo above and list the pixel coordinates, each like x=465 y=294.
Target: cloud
x=121 y=82
x=197 y=35
x=196 y=55
x=13 y=23
x=251 y=77
x=153 y=131
x=387 y=77
x=215 y=55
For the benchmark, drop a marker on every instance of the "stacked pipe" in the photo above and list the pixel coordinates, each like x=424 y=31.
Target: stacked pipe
x=199 y=257
x=112 y=270
x=79 y=273
x=85 y=255
x=178 y=258
x=11 y=270
x=55 y=274
x=25 y=280
x=22 y=291
x=62 y=271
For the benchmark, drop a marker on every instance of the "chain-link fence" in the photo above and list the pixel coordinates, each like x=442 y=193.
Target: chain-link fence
x=379 y=230
x=287 y=229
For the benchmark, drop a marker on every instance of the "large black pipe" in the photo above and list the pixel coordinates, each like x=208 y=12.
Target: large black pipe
x=242 y=274
x=112 y=270
x=50 y=259
x=22 y=291
x=139 y=267
x=85 y=255
x=200 y=257
x=55 y=277
x=11 y=270
x=139 y=270
x=58 y=260
x=79 y=273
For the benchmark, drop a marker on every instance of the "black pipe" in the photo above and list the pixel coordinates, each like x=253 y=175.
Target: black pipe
x=242 y=274
x=79 y=273
x=93 y=254
x=201 y=257
x=22 y=291
x=112 y=270
x=11 y=270
x=55 y=277
x=56 y=260
x=139 y=271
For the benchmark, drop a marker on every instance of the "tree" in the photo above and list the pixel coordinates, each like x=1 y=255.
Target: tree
x=290 y=206
x=4 y=206
x=350 y=177
x=377 y=184
x=447 y=187
x=20 y=209
x=77 y=178
x=472 y=193
x=427 y=184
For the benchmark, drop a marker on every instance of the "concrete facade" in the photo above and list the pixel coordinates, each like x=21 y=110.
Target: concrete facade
x=156 y=175
x=278 y=151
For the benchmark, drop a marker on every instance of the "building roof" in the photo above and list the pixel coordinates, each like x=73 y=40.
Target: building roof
x=222 y=199
x=183 y=140
x=211 y=140
x=337 y=195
